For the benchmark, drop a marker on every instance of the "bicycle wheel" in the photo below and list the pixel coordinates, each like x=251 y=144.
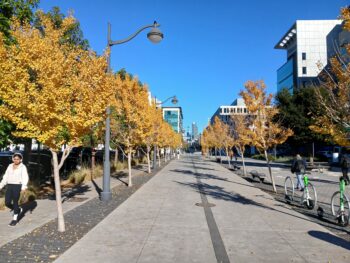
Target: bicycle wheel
x=289 y=189
x=341 y=215
x=310 y=196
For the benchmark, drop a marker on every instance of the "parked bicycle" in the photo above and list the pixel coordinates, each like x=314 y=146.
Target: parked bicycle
x=340 y=204
x=309 y=194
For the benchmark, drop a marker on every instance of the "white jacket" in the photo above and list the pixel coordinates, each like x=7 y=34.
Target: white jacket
x=15 y=176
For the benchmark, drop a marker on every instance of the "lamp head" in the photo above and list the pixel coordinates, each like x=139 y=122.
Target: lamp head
x=174 y=100
x=155 y=35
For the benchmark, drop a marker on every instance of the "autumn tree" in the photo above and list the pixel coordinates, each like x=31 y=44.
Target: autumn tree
x=217 y=139
x=129 y=117
x=151 y=137
x=52 y=91
x=334 y=93
x=242 y=135
x=22 y=10
x=266 y=133
x=228 y=140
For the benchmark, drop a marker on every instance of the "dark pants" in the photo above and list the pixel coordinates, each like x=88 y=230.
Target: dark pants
x=345 y=173
x=13 y=192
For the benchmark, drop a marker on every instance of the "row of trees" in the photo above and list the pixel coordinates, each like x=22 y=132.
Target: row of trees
x=256 y=129
x=56 y=90
x=317 y=113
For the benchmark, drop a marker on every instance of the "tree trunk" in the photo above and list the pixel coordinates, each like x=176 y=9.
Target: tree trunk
x=228 y=158
x=61 y=225
x=270 y=172
x=243 y=164
x=220 y=156
x=116 y=158
x=129 y=167
x=158 y=153
x=148 y=159
x=93 y=154
x=27 y=150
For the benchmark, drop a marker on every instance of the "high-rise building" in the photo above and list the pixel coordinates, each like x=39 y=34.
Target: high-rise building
x=194 y=131
x=309 y=44
x=173 y=116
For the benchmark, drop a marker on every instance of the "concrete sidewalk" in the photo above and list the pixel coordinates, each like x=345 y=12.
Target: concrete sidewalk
x=165 y=221
x=45 y=210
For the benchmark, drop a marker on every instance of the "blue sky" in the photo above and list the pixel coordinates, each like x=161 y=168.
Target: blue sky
x=210 y=48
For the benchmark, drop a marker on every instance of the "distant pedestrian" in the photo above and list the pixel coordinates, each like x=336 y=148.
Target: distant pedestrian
x=299 y=168
x=345 y=164
x=16 y=178
x=178 y=154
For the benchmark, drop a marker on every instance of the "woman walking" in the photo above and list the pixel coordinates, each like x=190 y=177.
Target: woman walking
x=16 y=178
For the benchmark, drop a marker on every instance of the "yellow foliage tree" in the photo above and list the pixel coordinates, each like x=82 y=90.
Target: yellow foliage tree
x=129 y=117
x=151 y=131
x=217 y=136
x=208 y=140
x=266 y=133
x=227 y=140
x=242 y=134
x=53 y=92
x=334 y=94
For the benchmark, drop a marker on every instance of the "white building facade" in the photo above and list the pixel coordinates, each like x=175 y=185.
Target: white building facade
x=307 y=52
x=237 y=107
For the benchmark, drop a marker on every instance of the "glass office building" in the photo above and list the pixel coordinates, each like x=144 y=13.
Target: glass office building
x=307 y=44
x=173 y=116
x=285 y=78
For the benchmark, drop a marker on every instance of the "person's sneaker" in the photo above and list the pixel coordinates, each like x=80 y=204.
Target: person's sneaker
x=301 y=189
x=20 y=211
x=13 y=223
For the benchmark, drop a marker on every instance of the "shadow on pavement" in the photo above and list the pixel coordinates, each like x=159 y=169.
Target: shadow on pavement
x=218 y=192
x=323 y=181
x=330 y=239
x=211 y=176
x=27 y=207
x=97 y=188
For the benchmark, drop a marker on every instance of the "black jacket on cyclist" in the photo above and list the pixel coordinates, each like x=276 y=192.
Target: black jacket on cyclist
x=298 y=166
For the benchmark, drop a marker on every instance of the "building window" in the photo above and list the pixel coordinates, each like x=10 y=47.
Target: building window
x=303 y=56
x=304 y=71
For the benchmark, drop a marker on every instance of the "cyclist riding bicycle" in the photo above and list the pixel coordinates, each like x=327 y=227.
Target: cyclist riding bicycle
x=345 y=165
x=299 y=168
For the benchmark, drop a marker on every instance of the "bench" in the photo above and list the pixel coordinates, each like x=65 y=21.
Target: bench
x=256 y=174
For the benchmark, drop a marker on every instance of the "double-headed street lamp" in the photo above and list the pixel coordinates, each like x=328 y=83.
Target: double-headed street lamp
x=155 y=36
x=174 y=100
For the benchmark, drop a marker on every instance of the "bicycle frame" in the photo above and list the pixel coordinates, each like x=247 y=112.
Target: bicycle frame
x=342 y=190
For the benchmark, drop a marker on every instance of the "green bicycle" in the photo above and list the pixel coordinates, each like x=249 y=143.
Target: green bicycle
x=340 y=204
x=309 y=196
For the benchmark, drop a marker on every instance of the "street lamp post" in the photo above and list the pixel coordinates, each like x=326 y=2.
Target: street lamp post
x=155 y=36
x=174 y=101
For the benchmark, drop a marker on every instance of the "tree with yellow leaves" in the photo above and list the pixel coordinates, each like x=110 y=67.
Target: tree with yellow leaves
x=150 y=138
x=208 y=140
x=129 y=116
x=51 y=91
x=334 y=93
x=266 y=133
x=227 y=140
x=217 y=137
x=242 y=135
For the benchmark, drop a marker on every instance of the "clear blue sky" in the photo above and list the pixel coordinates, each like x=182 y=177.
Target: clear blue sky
x=210 y=47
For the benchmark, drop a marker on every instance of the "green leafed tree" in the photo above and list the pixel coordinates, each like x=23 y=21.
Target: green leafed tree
x=294 y=111
x=21 y=9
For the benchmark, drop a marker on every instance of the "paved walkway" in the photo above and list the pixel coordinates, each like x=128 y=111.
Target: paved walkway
x=45 y=210
x=172 y=219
